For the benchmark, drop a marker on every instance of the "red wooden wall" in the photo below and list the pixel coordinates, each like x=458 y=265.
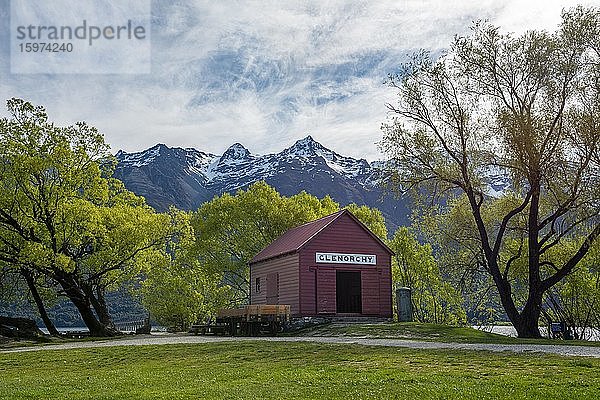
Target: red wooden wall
x=344 y=235
x=278 y=275
x=310 y=287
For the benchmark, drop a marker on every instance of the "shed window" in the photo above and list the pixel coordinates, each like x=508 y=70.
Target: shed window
x=257 y=285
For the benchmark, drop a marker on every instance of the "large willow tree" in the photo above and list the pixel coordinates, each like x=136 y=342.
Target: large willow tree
x=64 y=219
x=522 y=107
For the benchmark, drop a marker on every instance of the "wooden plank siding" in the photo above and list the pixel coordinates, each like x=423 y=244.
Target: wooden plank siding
x=344 y=236
x=287 y=269
x=273 y=288
x=309 y=287
x=326 y=302
x=385 y=289
x=370 y=292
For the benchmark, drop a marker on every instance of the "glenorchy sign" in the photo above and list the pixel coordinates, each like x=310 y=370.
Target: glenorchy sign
x=343 y=258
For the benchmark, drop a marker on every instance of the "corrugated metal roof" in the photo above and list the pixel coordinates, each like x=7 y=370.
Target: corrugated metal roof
x=294 y=238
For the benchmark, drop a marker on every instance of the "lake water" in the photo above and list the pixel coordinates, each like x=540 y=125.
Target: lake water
x=66 y=330
x=509 y=330
x=85 y=329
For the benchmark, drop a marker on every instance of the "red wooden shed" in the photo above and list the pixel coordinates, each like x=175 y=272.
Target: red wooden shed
x=333 y=266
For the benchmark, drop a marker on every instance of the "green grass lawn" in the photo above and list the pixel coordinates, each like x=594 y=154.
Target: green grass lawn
x=428 y=332
x=263 y=370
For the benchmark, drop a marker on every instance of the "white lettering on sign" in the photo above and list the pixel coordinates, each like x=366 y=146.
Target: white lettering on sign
x=342 y=258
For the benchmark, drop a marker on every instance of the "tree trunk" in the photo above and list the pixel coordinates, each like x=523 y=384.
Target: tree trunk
x=101 y=308
x=39 y=303
x=99 y=303
x=18 y=327
x=528 y=328
x=82 y=303
x=525 y=322
x=527 y=325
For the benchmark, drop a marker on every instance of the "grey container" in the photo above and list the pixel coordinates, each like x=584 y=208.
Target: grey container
x=404 y=304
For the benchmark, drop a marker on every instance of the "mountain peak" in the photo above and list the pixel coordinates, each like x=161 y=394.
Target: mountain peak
x=158 y=147
x=187 y=177
x=142 y=158
x=305 y=147
x=307 y=141
x=236 y=152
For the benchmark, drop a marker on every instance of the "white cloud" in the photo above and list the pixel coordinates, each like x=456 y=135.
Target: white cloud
x=518 y=17
x=265 y=73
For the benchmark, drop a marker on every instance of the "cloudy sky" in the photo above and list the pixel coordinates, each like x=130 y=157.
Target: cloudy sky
x=264 y=73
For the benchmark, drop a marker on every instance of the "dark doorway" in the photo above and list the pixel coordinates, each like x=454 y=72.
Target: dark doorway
x=348 y=293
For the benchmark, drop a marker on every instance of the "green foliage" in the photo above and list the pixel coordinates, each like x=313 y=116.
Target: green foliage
x=453 y=231
x=62 y=216
x=175 y=289
x=457 y=247
x=434 y=300
x=178 y=295
x=576 y=299
x=12 y=290
x=231 y=229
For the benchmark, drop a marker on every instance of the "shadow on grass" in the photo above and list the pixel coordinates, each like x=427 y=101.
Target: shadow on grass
x=425 y=332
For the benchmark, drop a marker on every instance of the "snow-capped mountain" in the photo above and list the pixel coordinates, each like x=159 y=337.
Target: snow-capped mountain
x=186 y=178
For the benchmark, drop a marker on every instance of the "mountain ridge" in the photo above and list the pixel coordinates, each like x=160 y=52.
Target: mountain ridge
x=187 y=177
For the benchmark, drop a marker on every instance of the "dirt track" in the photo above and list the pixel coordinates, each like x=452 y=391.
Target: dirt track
x=161 y=339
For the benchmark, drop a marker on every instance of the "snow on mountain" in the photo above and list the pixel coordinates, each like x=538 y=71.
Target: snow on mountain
x=308 y=148
x=187 y=177
x=139 y=159
x=496 y=180
x=235 y=153
x=237 y=161
x=192 y=157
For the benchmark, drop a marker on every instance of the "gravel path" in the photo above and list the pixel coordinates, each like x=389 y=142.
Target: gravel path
x=159 y=339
